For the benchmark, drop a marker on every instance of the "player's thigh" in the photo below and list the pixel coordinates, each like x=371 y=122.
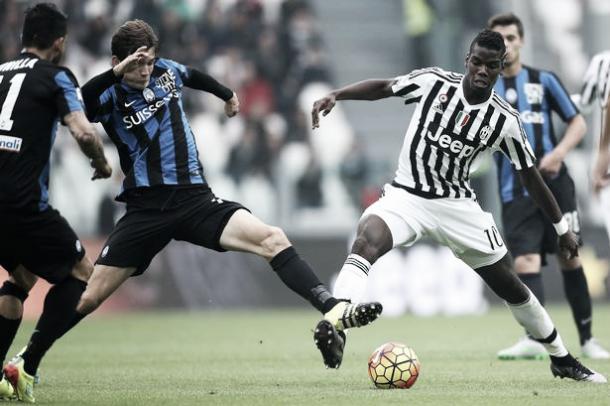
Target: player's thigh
x=469 y=232
x=138 y=236
x=401 y=213
x=47 y=246
x=218 y=224
x=246 y=232
x=524 y=227
x=83 y=269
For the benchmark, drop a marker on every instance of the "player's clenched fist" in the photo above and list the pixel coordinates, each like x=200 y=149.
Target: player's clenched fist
x=325 y=105
x=232 y=106
x=568 y=245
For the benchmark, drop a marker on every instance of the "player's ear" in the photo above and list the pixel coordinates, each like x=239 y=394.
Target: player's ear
x=466 y=59
x=59 y=43
x=115 y=61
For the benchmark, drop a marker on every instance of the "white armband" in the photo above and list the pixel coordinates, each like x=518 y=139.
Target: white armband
x=562 y=227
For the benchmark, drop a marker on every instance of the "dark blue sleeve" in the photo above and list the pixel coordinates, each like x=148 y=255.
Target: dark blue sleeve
x=97 y=93
x=68 y=96
x=559 y=99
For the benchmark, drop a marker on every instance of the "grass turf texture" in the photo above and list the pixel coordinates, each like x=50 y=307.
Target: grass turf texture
x=268 y=358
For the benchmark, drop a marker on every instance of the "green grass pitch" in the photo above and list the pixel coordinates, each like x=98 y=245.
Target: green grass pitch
x=268 y=358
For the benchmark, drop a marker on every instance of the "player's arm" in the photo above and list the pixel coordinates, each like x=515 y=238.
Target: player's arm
x=372 y=89
x=601 y=177
x=550 y=164
x=89 y=142
x=202 y=81
x=93 y=89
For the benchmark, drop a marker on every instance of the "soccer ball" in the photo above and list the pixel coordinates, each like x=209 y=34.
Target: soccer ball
x=394 y=365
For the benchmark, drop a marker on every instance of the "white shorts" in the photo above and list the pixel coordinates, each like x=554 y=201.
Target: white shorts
x=459 y=224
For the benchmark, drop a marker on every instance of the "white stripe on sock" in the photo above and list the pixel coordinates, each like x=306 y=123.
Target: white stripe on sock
x=351 y=282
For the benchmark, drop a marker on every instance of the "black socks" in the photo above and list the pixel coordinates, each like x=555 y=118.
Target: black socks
x=298 y=276
x=60 y=301
x=9 y=327
x=577 y=293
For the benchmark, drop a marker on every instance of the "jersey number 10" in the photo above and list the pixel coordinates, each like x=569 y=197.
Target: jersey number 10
x=9 y=103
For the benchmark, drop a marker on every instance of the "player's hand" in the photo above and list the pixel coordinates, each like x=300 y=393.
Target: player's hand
x=601 y=174
x=232 y=106
x=568 y=245
x=102 y=169
x=550 y=164
x=325 y=105
x=131 y=61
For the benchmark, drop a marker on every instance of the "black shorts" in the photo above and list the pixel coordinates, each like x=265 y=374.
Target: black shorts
x=528 y=231
x=155 y=216
x=43 y=242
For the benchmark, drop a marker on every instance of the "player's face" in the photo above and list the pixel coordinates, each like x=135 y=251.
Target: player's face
x=139 y=75
x=483 y=65
x=512 y=40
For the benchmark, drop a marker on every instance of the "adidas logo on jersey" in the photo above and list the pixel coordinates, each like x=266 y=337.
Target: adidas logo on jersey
x=450 y=145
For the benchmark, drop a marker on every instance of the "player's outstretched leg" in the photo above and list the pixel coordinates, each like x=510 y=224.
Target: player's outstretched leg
x=528 y=311
x=245 y=232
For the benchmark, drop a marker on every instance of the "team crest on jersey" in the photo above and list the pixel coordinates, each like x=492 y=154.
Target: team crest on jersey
x=534 y=93
x=485 y=133
x=462 y=119
x=148 y=94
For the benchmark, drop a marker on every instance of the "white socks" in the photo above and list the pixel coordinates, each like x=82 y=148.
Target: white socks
x=536 y=321
x=351 y=282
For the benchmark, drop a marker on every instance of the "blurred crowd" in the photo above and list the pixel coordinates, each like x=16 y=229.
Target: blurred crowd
x=268 y=51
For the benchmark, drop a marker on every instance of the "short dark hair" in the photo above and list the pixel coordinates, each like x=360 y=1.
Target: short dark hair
x=131 y=36
x=505 y=19
x=489 y=39
x=43 y=24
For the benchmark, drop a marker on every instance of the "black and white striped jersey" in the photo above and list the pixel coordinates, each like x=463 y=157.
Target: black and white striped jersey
x=596 y=86
x=447 y=134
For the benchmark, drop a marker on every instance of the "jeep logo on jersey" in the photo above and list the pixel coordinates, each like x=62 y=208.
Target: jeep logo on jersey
x=450 y=145
x=462 y=119
x=534 y=93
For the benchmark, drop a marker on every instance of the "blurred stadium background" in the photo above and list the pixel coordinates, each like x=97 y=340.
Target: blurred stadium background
x=279 y=56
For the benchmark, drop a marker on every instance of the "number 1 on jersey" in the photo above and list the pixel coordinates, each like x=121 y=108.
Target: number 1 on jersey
x=9 y=103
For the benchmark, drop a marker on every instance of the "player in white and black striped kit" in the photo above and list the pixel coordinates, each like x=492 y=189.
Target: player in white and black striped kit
x=457 y=119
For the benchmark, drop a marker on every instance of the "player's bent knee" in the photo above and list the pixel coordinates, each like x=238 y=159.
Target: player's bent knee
x=366 y=248
x=274 y=242
x=23 y=278
x=529 y=263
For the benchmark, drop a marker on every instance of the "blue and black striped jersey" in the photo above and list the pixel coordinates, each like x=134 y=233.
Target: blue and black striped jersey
x=34 y=96
x=535 y=94
x=149 y=127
